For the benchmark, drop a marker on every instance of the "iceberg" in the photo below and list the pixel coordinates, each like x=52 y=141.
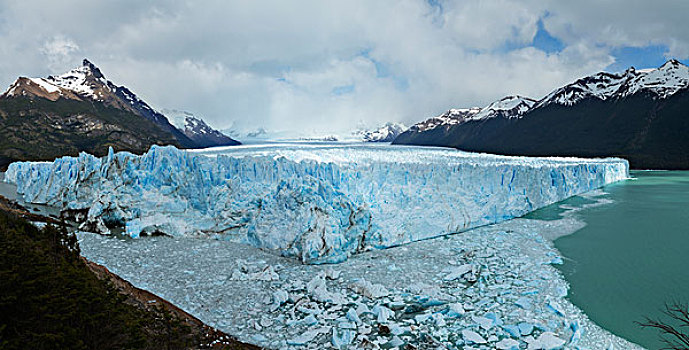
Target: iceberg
x=317 y=203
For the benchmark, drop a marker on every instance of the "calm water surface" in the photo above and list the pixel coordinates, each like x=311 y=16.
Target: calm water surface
x=633 y=254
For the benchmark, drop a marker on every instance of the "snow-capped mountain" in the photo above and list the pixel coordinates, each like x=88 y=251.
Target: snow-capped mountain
x=88 y=83
x=451 y=117
x=197 y=130
x=662 y=82
x=79 y=111
x=507 y=107
x=637 y=114
x=385 y=133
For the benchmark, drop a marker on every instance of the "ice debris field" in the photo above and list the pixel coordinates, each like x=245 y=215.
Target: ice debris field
x=491 y=287
x=319 y=204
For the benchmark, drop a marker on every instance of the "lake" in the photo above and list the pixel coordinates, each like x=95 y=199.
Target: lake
x=632 y=255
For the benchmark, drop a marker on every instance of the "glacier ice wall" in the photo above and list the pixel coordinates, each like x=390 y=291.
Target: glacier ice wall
x=320 y=204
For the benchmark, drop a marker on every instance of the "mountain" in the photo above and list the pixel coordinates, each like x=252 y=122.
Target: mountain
x=385 y=133
x=639 y=115
x=507 y=107
x=197 y=130
x=44 y=118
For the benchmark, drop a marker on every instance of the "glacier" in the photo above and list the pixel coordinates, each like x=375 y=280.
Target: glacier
x=317 y=203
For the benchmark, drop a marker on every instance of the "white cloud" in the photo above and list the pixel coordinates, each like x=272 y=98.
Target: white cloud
x=620 y=23
x=275 y=63
x=59 y=51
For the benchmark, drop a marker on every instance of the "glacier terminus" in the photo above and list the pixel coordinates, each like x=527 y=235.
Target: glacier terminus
x=316 y=203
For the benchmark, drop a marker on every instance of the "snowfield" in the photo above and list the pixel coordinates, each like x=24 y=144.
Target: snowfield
x=320 y=204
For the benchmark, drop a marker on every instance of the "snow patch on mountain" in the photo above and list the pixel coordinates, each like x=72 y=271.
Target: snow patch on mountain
x=507 y=107
x=663 y=81
x=85 y=81
x=319 y=204
x=451 y=117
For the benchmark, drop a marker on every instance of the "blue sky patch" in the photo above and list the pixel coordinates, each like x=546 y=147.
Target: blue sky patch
x=651 y=56
x=546 y=42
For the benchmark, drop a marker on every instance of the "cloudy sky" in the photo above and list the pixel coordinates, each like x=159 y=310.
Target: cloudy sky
x=326 y=66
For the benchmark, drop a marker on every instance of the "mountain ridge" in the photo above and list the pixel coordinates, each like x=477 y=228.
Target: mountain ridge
x=639 y=115
x=45 y=118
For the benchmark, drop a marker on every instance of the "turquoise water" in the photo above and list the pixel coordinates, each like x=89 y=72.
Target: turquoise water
x=633 y=254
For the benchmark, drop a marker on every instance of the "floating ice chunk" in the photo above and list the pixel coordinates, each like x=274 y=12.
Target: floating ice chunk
x=472 y=337
x=310 y=308
x=368 y=289
x=422 y=318
x=507 y=344
x=458 y=272
x=483 y=322
x=455 y=310
x=397 y=329
x=382 y=313
x=439 y=320
x=267 y=274
x=310 y=320
x=524 y=303
x=556 y=261
x=512 y=330
x=396 y=342
x=318 y=290
x=497 y=321
x=342 y=337
x=428 y=290
x=304 y=337
x=547 y=341
x=353 y=316
x=362 y=308
x=525 y=328
x=576 y=332
x=332 y=274
x=279 y=298
x=556 y=308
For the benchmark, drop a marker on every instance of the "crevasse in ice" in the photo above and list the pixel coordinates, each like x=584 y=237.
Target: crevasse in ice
x=320 y=204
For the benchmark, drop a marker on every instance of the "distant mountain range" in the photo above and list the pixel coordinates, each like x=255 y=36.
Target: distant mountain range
x=639 y=115
x=385 y=133
x=44 y=118
x=197 y=130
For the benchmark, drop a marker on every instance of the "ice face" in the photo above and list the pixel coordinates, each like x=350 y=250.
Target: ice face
x=320 y=204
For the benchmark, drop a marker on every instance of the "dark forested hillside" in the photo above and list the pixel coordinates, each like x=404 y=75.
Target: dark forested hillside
x=50 y=299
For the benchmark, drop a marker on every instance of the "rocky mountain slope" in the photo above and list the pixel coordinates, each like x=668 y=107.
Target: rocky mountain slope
x=197 y=130
x=44 y=118
x=640 y=115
